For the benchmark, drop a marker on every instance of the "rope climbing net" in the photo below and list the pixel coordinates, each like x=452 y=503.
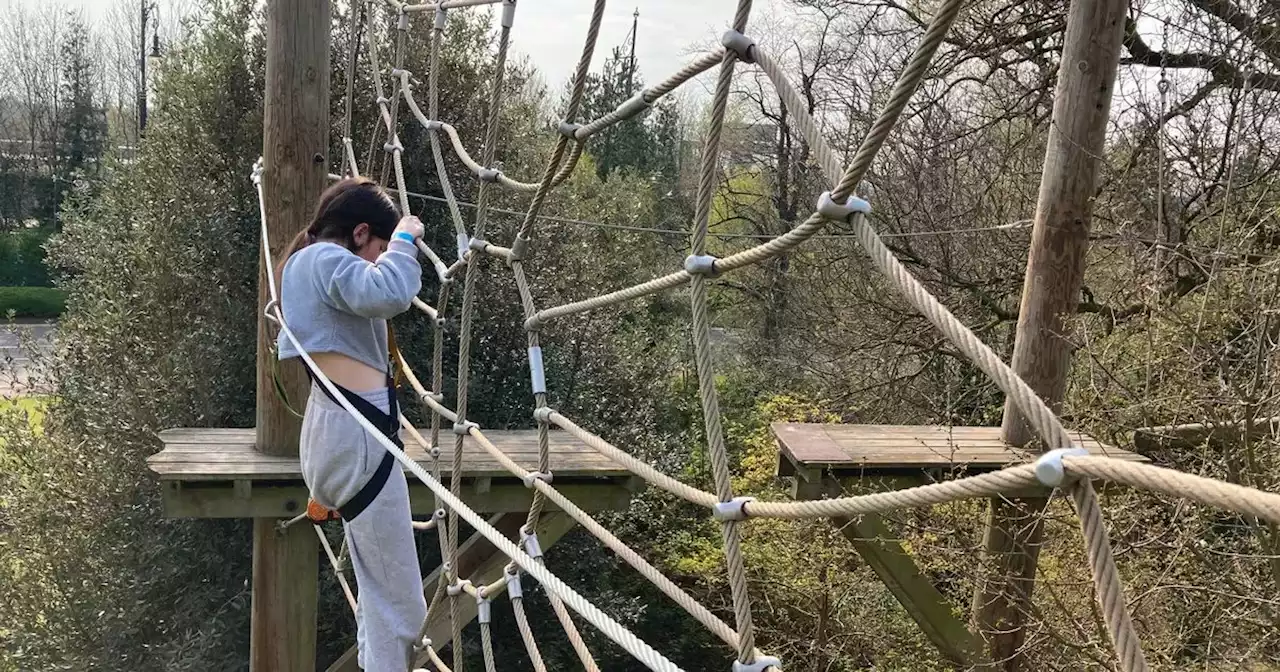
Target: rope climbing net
x=1064 y=465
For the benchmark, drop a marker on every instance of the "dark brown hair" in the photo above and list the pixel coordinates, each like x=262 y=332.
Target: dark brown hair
x=341 y=208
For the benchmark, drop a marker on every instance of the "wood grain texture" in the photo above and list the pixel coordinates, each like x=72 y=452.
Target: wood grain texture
x=1050 y=297
x=295 y=150
x=230 y=454
x=871 y=448
x=285 y=574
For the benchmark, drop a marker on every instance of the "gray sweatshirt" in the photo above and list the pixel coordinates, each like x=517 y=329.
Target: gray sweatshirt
x=334 y=301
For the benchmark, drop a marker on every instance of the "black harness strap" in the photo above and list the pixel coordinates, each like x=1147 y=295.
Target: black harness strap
x=388 y=423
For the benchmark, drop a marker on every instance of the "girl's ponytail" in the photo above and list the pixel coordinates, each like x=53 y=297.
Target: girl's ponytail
x=341 y=208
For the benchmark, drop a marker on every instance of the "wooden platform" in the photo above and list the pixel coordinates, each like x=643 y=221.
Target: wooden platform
x=216 y=473
x=835 y=460
x=805 y=449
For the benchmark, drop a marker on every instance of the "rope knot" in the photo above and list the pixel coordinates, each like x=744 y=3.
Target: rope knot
x=514 y=591
x=458 y=587
x=529 y=478
x=760 y=664
x=569 y=129
x=529 y=540
x=701 y=264
x=739 y=44
x=841 y=212
x=734 y=509
x=1049 y=468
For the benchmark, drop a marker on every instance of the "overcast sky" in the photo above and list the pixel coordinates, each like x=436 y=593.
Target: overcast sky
x=550 y=32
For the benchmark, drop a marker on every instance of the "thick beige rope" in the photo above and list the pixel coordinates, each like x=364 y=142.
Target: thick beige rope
x=634 y=465
x=486 y=644
x=702 y=349
x=526 y=634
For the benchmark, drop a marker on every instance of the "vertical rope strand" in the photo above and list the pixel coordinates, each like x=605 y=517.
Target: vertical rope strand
x=468 y=315
x=702 y=348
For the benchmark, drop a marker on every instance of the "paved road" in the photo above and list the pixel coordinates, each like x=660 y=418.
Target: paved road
x=15 y=360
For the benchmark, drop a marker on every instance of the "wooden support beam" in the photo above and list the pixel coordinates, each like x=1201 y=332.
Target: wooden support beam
x=285 y=574
x=1051 y=293
x=938 y=618
x=483 y=564
x=881 y=549
x=295 y=142
x=1193 y=434
x=197 y=499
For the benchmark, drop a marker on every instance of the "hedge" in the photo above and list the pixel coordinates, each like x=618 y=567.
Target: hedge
x=45 y=302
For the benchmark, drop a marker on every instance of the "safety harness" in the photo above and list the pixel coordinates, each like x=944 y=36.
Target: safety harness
x=388 y=423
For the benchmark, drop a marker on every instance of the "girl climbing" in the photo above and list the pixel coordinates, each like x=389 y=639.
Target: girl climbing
x=341 y=279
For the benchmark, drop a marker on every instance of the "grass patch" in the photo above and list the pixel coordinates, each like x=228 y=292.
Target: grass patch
x=33 y=405
x=39 y=302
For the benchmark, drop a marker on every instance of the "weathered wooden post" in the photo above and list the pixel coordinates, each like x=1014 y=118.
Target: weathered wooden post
x=295 y=149
x=1050 y=296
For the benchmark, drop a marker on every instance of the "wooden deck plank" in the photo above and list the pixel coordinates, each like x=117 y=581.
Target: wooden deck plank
x=218 y=454
x=868 y=448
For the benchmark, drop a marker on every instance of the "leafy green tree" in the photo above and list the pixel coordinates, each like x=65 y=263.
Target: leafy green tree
x=83 y=123
x=648 y=143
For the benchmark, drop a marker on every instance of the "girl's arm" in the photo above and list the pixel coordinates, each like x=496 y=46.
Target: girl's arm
x=377 y=290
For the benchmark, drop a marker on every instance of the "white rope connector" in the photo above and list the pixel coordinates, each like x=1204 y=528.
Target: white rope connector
x=633 y=106
x=518 y=247
x=478 y=244
x=529 y=540
x=760 y=664
x=543 y=414
x=426 y=643
x=569 y=129
x=464 y=428
x=434 y=125
x=383 y=100
x=394 y=145
x=457 y=587
x=734 y=509
x=464 y=243
x=403 y=23
x=508 y=13
x=441 y=17
x=439 y=514
x=437 y=397
x=701 y=264
x=483 y=613
x=256 y=175
x=489 y=175
x=1049 y=468
x=536 y=374
x=529 y=478
x=841 y=212
x=514 y=591
x=434 y=452
x=739 y=44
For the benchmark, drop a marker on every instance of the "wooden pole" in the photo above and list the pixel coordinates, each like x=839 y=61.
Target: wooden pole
x=1051 y=289
x=295 y=147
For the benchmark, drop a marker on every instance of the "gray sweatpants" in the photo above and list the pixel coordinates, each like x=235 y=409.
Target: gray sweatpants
x=338 y=458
